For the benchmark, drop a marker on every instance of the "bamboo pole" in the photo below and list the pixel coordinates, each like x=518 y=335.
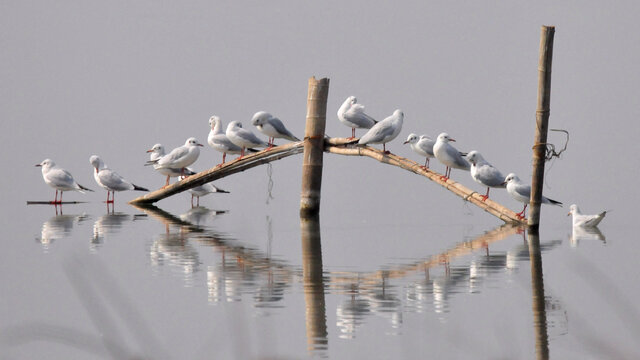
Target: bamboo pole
x=313 y=281
x=542 y=123
x=343 y=146
x=313 y=146
x=538 y=297
x=217 y=172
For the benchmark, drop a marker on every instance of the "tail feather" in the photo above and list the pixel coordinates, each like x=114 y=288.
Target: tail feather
x=151 y=162
x=251 y=150
x=139 y=188
x=554 y=202
x=221 y=190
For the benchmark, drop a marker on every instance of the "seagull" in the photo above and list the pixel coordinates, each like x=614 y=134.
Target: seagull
x=219 y=141
x=242 y=137
x=180 y=157
x=421 y=145
x=157 y=151
x=59 y=179
x=585 y=221
x=272 y=127
x=484 y=173
x=522 y=193
x=449 y=155
x=109 y=179
x=203 y=190
x=384 y=131
x=353 y=115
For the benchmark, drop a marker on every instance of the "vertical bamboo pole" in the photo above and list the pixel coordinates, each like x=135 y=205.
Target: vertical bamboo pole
x=313 y=146
x=542 y=123
x=538 y=298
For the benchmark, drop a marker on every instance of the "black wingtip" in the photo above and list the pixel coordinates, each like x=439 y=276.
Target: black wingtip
x=139 y=188
x=222 y=191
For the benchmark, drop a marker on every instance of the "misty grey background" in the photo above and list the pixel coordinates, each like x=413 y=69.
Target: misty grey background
x=113 y=78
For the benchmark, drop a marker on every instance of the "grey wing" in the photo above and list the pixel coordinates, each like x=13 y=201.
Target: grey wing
x=250 y=137
x=61 y=177
x=224 y=141
x=357 y=115
x=174 y=155
x=376 y=134
x=279 y=126
x=427 y=144
x=113 y=180
x=490 y=176
x=524 y=191
x=458 y=160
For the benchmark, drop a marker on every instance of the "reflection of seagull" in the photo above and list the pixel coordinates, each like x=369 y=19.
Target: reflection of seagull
x=59 y=227
x=579 y=233
x=582 y=220
x=175 y=251
x=108 y=224
x=111 y=180
x=199 y=215
x=350 y=315
x=59 y=179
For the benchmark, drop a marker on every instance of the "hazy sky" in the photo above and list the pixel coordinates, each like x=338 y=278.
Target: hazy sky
x=113 y=78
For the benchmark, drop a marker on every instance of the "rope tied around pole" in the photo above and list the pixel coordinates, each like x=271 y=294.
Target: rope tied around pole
x=550 y=149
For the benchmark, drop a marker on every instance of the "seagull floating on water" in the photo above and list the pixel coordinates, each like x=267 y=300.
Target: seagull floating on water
x=585 y=221
x=484 y=173
x=421 y=145
x=449 y=155
x=243 y=137
x=219 y=141
x=352 y=115
x=272 y=127
x=110 y=180
x=384 y=131
x=522 y=192
x=59 y=179
x=156 y=152
x=180 y=157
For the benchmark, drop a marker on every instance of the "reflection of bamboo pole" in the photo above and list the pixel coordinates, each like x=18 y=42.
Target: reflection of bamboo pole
x=537 y=295
x=316 y=320
x=542 y=122
x=313 y=146
x=459 y=250
x=340 y=146
x=231 y=167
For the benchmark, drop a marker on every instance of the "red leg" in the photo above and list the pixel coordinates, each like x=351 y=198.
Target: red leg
x=521 y=214
x=353 y=134
x=486 y=196
x=446 y=174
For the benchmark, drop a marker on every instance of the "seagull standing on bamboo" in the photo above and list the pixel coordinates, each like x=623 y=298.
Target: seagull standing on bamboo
x=352 y=115
x=219 y=141
x=449 y=155
x=110 y=180
x=243 y=137
x=522 y=192
x=384 y=131
x=59 y=179
x=585 y=221
x=421 y=145
x=484 y=173
x=180 y=157
x=156 y=152
x=203 y=190
x=272 y=127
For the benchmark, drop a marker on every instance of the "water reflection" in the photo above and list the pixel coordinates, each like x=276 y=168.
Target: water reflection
x=580 y=233
x=110 y=224
x=537 y=288
x=58 y=227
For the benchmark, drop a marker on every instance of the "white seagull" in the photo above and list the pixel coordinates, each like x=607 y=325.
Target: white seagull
x=352 y=115
x=203 y=190
x=449 y=155
x=522 y=192
x=585 y=221
x=484 y=173
x=109 y=179
x=219 y=141
x=156 y=152
x=59 y=179
x=421 y=145
x=272 y=127
x=384 y=131
x=242 y=137
x=180 y=157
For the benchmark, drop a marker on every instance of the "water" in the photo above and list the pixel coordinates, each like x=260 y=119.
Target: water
x=396 y=267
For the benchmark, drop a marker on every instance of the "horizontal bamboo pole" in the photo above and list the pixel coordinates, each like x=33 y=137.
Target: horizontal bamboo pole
x=344 y=147
x=217 y=172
